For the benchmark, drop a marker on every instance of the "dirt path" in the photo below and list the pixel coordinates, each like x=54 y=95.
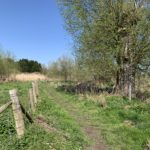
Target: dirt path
x=91 y=131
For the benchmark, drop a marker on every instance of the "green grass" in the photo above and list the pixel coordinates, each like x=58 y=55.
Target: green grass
x=111 y=120
x=117 y=132
x=67 y=137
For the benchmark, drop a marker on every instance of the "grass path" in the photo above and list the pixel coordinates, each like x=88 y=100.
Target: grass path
x=123 y=125
x=58 y=131
x=85 y=121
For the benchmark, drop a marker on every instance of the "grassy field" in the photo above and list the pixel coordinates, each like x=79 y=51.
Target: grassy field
x=67 y=137
x=123 y=125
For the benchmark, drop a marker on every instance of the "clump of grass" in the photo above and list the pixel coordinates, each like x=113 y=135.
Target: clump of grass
x=148 y=145
x=128 y=123
x=148 y=101
x=99 y=99
x=102 y=100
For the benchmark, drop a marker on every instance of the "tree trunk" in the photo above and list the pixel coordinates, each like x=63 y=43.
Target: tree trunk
x=125 y=81
x=129 y=79
x=117 y=85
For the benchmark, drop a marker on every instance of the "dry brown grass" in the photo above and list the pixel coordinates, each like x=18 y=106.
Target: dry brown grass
x=128 y=123
x=148 y=145
x=29 y=77
x=143 y=84
x=100 y=99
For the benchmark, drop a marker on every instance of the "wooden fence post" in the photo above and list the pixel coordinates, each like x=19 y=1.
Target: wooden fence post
x=31 y=100
x=34 y=93
x=18 y=116
x=37 y=88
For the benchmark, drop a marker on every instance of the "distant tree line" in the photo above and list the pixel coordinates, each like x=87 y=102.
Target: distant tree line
x=9 y=66
x=30 y=66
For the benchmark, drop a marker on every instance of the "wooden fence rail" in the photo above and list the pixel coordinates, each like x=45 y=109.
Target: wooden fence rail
x=5 y=106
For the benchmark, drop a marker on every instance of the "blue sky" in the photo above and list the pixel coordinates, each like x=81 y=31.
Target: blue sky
x=33 y=29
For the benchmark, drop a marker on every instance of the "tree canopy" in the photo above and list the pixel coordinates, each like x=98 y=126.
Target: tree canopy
x=26 y=65
x=112 y=37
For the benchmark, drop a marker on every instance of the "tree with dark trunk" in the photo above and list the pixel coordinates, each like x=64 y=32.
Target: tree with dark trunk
x=112 y=38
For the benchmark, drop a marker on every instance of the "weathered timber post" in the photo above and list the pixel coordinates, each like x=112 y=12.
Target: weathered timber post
x=130 y=92
x=31 y=100
x=34 y=93
x=37 y=88
x=18 y=116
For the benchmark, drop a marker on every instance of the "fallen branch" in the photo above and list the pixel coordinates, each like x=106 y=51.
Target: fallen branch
x=4 y=107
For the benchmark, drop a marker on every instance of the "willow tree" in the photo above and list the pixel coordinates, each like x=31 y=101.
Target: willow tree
x=112 y=37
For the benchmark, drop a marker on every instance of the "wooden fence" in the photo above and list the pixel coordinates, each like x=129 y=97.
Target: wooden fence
x=19 y=110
